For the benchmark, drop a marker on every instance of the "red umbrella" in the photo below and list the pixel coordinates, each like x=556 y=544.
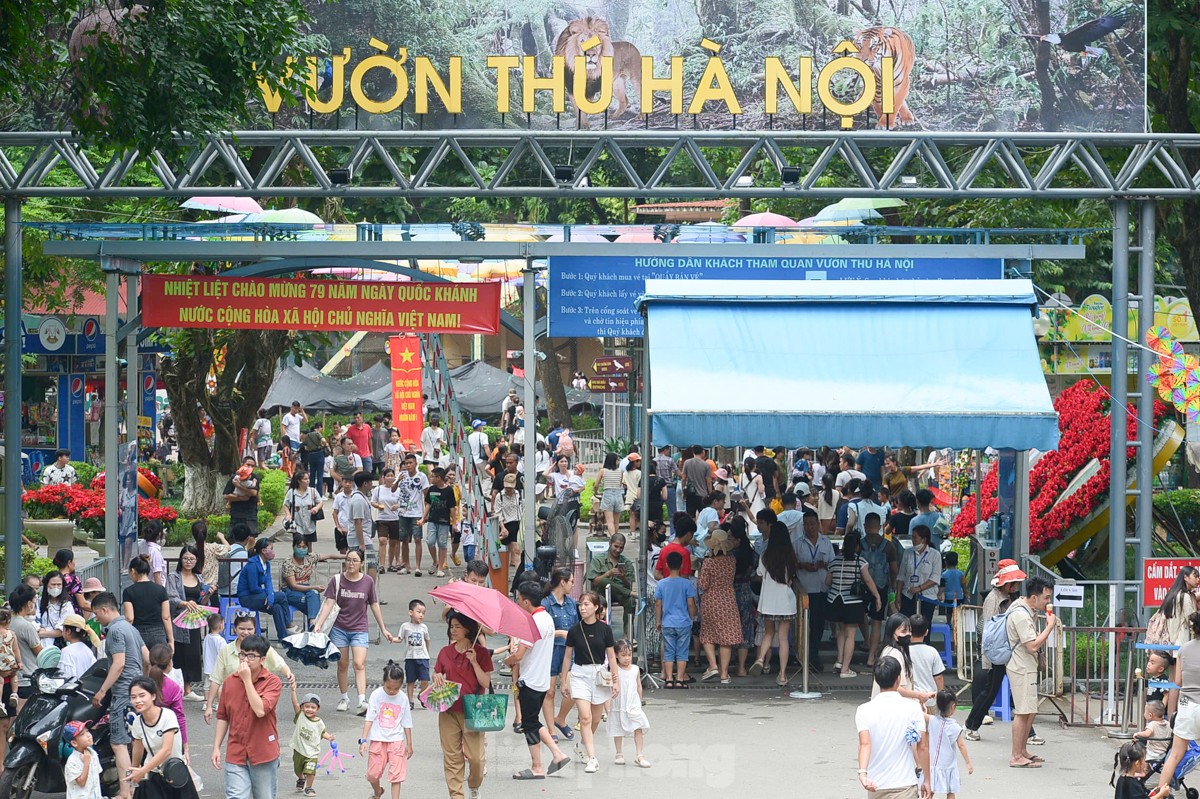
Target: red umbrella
x=941 y=497
x=490 y=608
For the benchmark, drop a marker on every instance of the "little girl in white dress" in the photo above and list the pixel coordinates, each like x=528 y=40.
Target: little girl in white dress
x=945 y=742
x=627 y=716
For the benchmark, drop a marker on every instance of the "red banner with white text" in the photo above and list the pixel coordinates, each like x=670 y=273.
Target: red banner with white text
x=407 y=404
x=188 y=301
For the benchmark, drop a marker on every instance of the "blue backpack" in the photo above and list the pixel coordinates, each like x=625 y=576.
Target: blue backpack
x=995 y=643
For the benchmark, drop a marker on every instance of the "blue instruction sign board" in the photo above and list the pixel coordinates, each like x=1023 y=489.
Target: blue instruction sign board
x=594 y=297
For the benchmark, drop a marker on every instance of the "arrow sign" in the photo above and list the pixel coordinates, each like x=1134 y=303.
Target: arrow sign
x=608 y=385
x=1068 y=596
x=612 y=365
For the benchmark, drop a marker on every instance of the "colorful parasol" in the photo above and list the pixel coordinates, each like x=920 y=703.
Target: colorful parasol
x=197 y=619
x=1192 y=408
x=1159 y=339
x=1161 y=376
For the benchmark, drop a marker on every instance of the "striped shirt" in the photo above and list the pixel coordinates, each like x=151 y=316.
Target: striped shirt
x=843 y=574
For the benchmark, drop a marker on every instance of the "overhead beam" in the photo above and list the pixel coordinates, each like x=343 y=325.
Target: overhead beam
x=834 y=165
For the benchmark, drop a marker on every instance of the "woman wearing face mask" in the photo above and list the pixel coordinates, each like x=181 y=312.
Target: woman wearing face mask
x=256 y=591
x=297 y=574
x=919 y=575
x=53 y=609
x=897 y=637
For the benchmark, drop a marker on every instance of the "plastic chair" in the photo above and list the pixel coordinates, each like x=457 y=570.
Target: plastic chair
x=947 y=642
x=1002 y=707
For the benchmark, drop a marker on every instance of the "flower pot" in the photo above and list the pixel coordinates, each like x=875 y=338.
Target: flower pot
x=59 y=533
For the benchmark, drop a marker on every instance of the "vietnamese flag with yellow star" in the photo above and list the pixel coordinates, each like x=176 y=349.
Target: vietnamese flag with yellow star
x=407 y=403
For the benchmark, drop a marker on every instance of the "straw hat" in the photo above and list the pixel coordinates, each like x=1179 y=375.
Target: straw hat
x=719 y=542
x=75 y=621
x=1007 y=571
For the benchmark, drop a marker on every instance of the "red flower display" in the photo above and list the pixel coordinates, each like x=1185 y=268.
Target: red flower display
x=1084 y=434
x=85 y=506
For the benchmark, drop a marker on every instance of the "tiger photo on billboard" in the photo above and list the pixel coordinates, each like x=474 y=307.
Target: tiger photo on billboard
x=888 y=41
x=626 y=60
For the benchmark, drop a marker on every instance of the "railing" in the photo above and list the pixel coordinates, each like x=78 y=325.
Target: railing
x=1100 y=662
x=94 y=569
x=589 y=445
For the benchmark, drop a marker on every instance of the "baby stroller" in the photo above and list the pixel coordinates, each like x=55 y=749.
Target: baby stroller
x=1191 y=759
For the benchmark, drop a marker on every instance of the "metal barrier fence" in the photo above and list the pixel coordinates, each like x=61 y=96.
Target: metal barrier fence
x=1100 y=662
x=94 y=569
x=589 y=445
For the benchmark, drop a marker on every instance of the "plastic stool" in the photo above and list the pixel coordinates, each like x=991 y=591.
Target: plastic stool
x=229 y=609
x=947 y=642
x=1002 y=707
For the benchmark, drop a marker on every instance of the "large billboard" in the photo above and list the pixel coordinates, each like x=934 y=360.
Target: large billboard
x=957 y=65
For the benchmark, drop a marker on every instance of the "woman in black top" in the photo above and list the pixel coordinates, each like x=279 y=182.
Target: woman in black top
x=902 y=517
x=589 y=644
x=746 y=565
x=147 y=606
x=657 y=497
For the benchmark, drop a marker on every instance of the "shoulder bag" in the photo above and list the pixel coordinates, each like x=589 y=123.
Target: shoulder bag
x=175 y=771
x=603 y=676
x=485 y=712
x=320 y=514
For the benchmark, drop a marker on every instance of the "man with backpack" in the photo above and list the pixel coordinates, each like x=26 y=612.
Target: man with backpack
x=1022 y=667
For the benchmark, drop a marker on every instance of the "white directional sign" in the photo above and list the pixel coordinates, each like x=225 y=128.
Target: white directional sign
x=1068 y=596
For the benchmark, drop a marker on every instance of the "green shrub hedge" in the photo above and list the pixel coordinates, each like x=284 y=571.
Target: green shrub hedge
x=1183 y=501
x=272 y=490
x=181 y=532
x=86 y=472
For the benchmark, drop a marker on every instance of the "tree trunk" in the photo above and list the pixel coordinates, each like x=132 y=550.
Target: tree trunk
x=550 y=374
x=1041 y=65
x=203 y=492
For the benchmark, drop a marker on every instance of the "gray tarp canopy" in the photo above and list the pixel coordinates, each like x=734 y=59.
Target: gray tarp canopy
x=480 y=390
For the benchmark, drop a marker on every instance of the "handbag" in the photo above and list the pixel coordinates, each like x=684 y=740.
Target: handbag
x=320 y=514
x=485 y=712
x=603 y=675
x=174 y=770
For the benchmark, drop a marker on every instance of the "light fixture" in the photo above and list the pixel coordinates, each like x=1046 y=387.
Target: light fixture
x=564 y=174
x=908 y=180
x=791 y=175
x=341 y=176
x=744 y=182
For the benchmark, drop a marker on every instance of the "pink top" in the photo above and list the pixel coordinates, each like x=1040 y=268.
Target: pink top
x=172 y=699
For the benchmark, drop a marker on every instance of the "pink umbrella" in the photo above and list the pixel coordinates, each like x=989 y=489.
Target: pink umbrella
x=643 y=235
x=230 y=205
x=765 y=219
x=490 y=608
x=581 y=237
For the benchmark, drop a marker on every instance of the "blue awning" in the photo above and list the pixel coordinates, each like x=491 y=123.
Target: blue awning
x=938 y=363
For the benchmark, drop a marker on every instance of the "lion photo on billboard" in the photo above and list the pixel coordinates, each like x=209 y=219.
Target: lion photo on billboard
x=875 y=44
x=626 y=59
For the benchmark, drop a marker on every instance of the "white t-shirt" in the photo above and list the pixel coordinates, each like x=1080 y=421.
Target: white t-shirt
x=74 y=767
x=52 y=475
x=213 y=644
x=411 y=490
x=387 y=498
x=389 y=716
x=152 y=736
x=432 y=441
x=846 y=475
x=262 y=432
x=341 y=508
x=76 y=659
x=477 y=443
x=535 y=666
x=290 y=426
x=416 y=640
x=359 y=507
x=895 y=724
x=927 y=664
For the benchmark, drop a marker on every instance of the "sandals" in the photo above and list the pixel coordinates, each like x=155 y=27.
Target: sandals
x=756 y=669
x=641 y=762
x=619 y=759
x=558 y=765
x=527 y=774
x=310 y=791
x=565 y=730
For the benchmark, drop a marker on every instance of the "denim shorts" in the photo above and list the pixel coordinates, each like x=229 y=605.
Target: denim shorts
x=437 y=535
x=409 y=529
x=556 y=659
x=344 y=638
x=676 y=642
x=416 y=670
x=612 y=500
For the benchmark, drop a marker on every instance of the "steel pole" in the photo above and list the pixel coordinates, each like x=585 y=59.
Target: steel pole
x=12 y=391
x=133 y=362
x=529 y=439
x=112 y=407
x=648 y=453
x=1120 y=393
x=1145 y=410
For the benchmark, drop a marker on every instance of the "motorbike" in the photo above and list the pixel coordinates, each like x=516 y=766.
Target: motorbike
x=36 y=754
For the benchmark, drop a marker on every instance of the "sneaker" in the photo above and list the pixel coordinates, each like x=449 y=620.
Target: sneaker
x=417 y=573
x=988 y=720
x=343 y=705
x=403 y=570
x=293 y=629
x=708 y=675
x=592 y=766
x=1035 y=740
x=845 y=675
x=475 y=794
x=972 y=735
x=440 y=573
x=362 y=708
x=581 y=753
x=192 y=696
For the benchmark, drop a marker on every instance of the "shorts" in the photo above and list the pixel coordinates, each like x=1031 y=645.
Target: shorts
x=1187 y=720
x=844 y=612
x=371 y=561
x=469 y=552
x=339 y=541
x=695 y=503
x=5 y=693
x=302 y=765
x=612 y=500
x=118 y=709
x=416 y=670
x=1023 y=688
x=676 y=641
x=511 y=531
x=877 y=615
x=556 y=660
x=410 y=528
x=530 y=702
x=437 y=535
x=264 y=453
x=387 y=756
x=908 y=792
x=344 y=638
x=583 y=685
x=388 y=528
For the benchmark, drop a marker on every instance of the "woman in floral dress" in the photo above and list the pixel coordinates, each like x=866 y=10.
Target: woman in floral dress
x=720 y=624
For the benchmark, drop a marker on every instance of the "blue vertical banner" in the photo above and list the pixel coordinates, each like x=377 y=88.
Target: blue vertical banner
x=71 y=415
x=150 y=400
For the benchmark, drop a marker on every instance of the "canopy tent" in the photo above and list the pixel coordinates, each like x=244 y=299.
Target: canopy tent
x=480 y=390
x=724 y=366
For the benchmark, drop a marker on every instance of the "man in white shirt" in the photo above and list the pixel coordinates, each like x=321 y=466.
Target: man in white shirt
x=410 y=489
x=360 y=532
x=61 y=472
x=478 y=444
x=289 y=428
x=814 y=552
x=892 y=742
x=433 y=439
x=341 y=514
x=535 y=680
x=848 y=471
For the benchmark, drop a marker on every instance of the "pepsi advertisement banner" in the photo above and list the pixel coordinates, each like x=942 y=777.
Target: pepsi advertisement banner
x=71 y=419
x=149 y=397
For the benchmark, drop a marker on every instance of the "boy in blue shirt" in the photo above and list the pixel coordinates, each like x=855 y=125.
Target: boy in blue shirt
x=675 y=609
x=952 y=580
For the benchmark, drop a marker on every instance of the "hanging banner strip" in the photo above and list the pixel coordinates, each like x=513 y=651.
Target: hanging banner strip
x=187 y=301
x=407 y=406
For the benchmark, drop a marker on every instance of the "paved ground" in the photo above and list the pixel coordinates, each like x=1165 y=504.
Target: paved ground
x=751 y=738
